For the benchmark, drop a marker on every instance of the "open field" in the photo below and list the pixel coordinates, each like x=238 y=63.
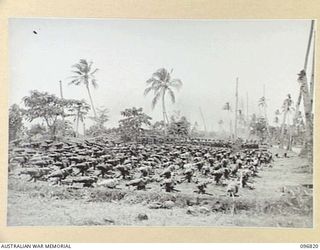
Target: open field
x=281 y=198
x=192 y=124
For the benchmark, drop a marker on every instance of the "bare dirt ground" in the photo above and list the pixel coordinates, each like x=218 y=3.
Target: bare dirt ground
x=282 y=198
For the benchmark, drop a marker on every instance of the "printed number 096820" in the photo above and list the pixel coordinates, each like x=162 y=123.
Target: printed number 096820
x=309 y=245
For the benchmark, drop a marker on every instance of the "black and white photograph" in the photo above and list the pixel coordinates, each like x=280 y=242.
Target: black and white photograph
x=161 y=122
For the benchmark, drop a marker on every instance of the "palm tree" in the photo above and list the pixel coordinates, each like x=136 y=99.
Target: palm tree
x=80 y=109
x=263 y=105
x=161 y=83
x=302 y=80
x=227 y=107
x=287 y=108
x=220 y=122
x=84 y=75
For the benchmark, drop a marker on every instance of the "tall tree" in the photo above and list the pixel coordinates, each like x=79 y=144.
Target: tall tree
x=99 y=127
x=276 y=118
x=48 y=107
x=287 y=108
x=195 y=130
x=45 y=106
x=15 y=122
x=161 y=83
x=263 y=105
x=311 y=34
x=299 y=127
x=220 y=122
x=277 y=129
x=131 y=125
x=84 y=74
x=179 y=127
x=302 y=79
x=258 y=127
x=227 y=107
x=102 y=116
x=79 y=109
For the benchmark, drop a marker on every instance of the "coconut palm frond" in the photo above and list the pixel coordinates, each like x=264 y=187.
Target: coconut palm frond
x=159 y=83
x=226 y=106
x=168 y=77
x=150 y=80
x=147 y=90
x=74 y=76
x=94 y=83
x=161 y=74
x=155 y=99
x=84 y=62
x=156 y=83
x=78 y=66
x=94 y=71
x=262 y=102
x=89 y=66
x=171 y=93
x=75 y=82
x=158 y=87
x=176 y=83
x=78 y=72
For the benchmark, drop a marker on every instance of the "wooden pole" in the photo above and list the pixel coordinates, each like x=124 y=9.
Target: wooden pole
x=248 y=119
x=236 y=112
x=61 y=94
x=247 y=115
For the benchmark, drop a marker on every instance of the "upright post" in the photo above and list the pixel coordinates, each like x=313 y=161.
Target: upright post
x=61 y=95
x=236 y=112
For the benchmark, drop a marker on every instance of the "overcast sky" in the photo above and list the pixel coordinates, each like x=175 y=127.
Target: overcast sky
x=206 y=55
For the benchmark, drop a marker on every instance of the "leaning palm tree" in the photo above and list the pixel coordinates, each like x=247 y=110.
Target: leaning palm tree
x=161 y=83
x=84 y=75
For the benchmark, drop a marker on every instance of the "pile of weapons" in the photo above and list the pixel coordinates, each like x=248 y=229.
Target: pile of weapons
x=134 y=164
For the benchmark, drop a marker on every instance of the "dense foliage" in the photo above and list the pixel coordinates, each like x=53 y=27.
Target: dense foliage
x=15 y=122
x=131 y=126
x=49 y=108
x=179 y=127
x=99 y=127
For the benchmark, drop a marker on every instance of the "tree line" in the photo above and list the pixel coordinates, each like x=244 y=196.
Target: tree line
x=57 y=113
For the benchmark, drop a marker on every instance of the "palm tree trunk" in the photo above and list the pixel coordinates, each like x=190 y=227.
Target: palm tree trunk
x=77 y=125
x=165 y=118
x=312 y=72
x=282 y=128
x=289 y=144
x=231 y=134
x=63 y=120
x=84 y=128
x=94 y=111
x=308 y=116
x=305 y=66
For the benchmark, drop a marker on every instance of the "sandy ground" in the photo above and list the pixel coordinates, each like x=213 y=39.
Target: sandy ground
x=278 y=200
